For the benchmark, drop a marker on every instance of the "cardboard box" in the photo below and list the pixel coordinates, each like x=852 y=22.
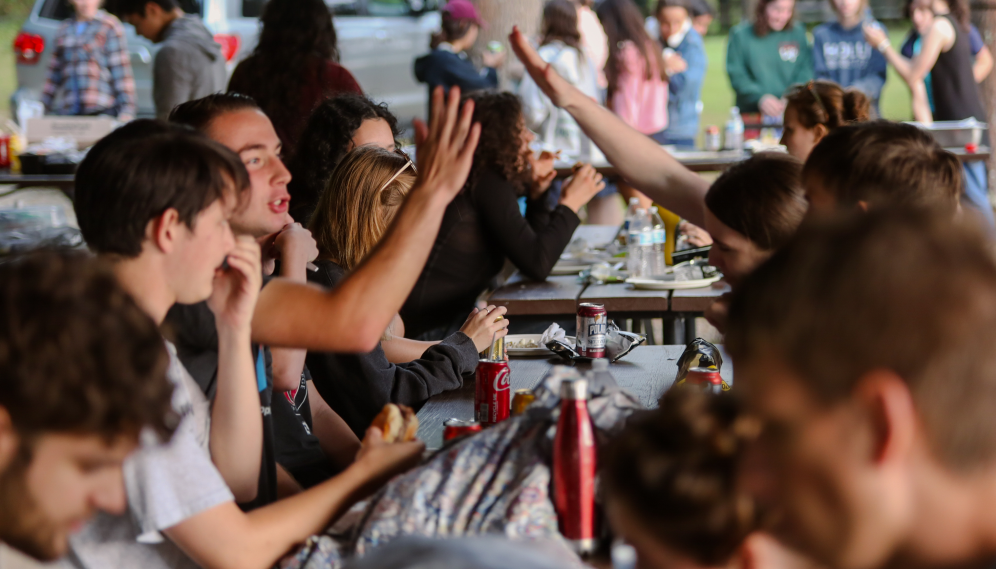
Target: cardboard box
x=84 y=130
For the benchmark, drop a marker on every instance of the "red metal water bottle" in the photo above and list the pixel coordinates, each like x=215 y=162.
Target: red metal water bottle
x=574 y=463
x=492 y=394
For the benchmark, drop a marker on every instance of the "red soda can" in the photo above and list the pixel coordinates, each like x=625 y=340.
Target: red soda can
x=492 y=395
x=592 y=323
x=705 y=378
x=574 y=465
x=453 y=428
x=4 y=151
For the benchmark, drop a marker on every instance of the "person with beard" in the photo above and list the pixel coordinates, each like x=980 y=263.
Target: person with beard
x=82 y=373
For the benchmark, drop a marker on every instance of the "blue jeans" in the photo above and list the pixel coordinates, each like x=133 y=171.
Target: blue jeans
x=975 y=192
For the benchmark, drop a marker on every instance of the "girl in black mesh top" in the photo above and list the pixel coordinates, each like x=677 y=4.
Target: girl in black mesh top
x=483 y=225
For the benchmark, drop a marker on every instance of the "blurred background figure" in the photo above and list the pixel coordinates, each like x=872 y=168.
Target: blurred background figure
x=448 y=64
x=685 y=62
x=636 y=73
x=764 y=58
x=593 y=41
x=841 y=54
x=702 y=15
x=294 y=67
x=90 y=71
x=189 y=64
x=815 y=109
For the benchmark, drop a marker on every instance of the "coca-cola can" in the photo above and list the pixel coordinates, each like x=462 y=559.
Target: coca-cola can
x=453 y=428
x=574 y=468
x=492 y=394
x=4 y=151
x=705 y=378
x=592 y=323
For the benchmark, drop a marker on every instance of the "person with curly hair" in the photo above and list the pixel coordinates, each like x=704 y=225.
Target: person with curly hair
x=670 y=480
x=337 y=126
x=483 y=225
x=294 y=67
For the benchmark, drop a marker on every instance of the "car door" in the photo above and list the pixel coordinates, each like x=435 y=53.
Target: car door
x=380 y=46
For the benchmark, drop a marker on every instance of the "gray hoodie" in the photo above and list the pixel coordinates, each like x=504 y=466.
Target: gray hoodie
x=188 y=66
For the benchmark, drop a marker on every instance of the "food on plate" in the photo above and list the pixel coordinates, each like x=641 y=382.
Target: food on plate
x=398 y=423
x=524 y=343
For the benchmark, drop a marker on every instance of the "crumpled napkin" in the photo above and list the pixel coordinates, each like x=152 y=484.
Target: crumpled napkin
x=554 y=332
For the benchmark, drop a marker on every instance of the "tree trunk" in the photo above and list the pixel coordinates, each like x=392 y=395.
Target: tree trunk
x=984 y=18
x=725 y=19
x=501 y=15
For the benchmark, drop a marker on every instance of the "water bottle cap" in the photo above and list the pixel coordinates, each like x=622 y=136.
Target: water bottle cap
x=634 y=201
x=574 y=389
x=600 y=364
x=653 y=209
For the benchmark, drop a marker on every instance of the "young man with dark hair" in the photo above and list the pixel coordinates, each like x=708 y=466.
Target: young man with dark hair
x=82 y=373
x=865 y=348
x=175 y=490
x=189 y=63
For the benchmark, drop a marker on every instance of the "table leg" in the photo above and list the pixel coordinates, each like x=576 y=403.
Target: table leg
x=673 y=328
x=690 y=331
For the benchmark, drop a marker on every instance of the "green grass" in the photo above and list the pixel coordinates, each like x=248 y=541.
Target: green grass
x=9 y=25
x=717 y=95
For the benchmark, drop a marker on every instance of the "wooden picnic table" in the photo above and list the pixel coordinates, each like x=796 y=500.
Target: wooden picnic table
x=556 y=299
x=61 y=181
x=647 y=372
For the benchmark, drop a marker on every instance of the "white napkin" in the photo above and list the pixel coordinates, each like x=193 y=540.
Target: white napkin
x=554 y=332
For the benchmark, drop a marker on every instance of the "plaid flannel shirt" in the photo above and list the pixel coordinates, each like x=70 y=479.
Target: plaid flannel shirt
x=98 y=61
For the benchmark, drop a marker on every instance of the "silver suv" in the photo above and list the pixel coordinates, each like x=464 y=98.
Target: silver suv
x=378 y=41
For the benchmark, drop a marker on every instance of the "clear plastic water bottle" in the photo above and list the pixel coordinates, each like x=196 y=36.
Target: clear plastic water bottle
x=635 y=261
x=658 y=264
x=734 y=131
x=634 y=203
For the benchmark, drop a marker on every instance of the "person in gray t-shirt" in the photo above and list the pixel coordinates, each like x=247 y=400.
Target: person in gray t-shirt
x=82 y=373
x=154 y=200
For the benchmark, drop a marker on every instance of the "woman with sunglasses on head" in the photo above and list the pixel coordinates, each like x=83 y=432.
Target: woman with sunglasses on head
x=363 y=195
x=814 y=109
x=483 y=226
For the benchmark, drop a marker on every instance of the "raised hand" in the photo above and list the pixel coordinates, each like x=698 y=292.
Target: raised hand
x=233 y=298
x=581 y=187
x=445 y=148
x=482 y=328
x=547 y=79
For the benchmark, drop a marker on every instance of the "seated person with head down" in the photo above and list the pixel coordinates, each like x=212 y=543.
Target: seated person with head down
x=336 y=126
x=672 y=491
x=864 y=348
x=484 y=226
x=359 y=204
x=83 y=374
x=154 y=200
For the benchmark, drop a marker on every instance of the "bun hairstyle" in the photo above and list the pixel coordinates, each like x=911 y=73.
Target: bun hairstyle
x=828 y=104
x=674 y=470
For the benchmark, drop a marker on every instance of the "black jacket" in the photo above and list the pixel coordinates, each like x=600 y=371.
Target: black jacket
x=357 y=386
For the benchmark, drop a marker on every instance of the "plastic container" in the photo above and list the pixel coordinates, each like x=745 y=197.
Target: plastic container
x=734 y=134
x=639 y=244
x=658 y=261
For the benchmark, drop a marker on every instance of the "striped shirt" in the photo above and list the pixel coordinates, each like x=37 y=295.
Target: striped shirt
x=90 y=72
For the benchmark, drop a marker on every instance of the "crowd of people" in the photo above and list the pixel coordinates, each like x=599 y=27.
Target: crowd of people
x=269 y=269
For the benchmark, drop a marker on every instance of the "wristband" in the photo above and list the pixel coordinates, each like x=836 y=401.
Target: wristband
x=883 y=45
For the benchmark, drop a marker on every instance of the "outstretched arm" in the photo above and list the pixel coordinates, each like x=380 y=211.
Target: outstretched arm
x=644 y=164
x=361 y=307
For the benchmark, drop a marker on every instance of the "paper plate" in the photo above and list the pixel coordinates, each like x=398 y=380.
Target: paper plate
x=529 y=352
x=657 y=284
x=561 y=269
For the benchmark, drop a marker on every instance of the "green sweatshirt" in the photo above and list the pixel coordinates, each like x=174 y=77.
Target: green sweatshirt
x=768 y=65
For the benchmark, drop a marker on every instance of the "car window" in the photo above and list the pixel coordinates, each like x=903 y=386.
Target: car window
x=61 y=9
x=254 y=8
